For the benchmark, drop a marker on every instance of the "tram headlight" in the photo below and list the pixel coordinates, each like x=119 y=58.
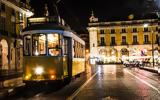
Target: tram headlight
x=28 y=76
x=52 y=77
x=39 y=70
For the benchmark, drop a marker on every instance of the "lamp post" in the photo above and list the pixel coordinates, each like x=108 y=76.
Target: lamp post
x=152 y=48
x=146 y=25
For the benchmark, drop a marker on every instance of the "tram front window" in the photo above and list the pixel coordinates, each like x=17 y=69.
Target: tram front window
x=54 y=44
x=39 y=44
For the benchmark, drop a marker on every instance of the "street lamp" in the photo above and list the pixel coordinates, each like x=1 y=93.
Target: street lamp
x=146 y=25
x=152 y=48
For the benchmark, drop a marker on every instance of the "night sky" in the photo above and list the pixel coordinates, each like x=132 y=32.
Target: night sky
x=77 y=12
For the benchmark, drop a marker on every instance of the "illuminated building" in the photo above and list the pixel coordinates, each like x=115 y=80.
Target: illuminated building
x=113 y=42
x=85 y=37
x=13 y=18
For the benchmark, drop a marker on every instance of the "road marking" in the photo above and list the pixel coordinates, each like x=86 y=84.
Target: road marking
x=150 y=85
x=79 y=89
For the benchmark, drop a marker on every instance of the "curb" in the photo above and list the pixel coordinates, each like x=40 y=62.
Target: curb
x=151 y=70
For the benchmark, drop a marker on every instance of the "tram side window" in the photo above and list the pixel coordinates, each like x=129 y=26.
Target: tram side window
x=83 y=51
x=75 y=49
x=39 y=44
x=65 y=47
x=54 y=47
x=27 y=45
x=78 y=50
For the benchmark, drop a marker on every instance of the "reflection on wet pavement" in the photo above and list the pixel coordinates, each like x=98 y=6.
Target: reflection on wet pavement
x=113 y=83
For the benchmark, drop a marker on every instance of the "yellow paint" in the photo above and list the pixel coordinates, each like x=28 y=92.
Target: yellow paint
x=51 y=65
x=108 y=40
x=78 y=66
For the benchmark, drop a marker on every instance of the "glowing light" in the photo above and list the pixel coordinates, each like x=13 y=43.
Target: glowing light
x=99 y=69
x=29 y=14
x=36 y=53
x=40 y=19
x=92 y=61
x=53 y=77
x=42 y=37
x=52 y=37
x=145 y=25
x=27 y=77
x=159 y=70
x=87 y=51
x=39 y=70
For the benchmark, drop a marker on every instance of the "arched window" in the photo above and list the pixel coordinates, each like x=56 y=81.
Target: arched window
x=102 y=52
x=124 y=51
x=4 y=54
x=113 y=55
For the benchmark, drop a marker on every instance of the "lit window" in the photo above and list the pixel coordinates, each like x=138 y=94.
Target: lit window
x=65 y=51
x=39 y=44
x=54 y=44
x=20 y=16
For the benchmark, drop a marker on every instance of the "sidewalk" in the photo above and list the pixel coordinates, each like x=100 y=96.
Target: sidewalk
x=151 y=69
x=4 y=92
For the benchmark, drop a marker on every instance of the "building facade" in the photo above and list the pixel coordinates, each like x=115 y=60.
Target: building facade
x=113 y=42
x=13 y=18
x=85 y=37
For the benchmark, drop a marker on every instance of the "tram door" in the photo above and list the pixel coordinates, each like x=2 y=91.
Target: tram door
x=68 y=52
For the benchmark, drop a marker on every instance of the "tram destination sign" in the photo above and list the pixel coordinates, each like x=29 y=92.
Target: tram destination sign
x=39 y=20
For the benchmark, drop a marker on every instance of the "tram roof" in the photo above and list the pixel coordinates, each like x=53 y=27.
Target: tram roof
x=47 y=26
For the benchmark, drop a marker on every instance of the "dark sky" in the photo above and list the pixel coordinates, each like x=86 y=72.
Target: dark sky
x=77 y=12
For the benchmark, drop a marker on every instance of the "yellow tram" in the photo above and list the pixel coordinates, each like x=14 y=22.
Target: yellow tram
x=52 y=52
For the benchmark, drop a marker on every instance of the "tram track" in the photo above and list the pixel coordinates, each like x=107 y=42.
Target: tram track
x=137 y=71
x=146 y=82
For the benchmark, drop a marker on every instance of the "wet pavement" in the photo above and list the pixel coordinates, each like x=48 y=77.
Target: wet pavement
x=101 y=82
x=113 y=82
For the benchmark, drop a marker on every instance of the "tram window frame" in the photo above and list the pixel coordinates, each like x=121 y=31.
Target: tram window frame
x=78 y=50
x=28 y=49
x=39 y=53
x=57 y=47
x=75 y=49
x=65 y=47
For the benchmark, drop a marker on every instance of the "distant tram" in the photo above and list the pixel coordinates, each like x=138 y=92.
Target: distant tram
x=51 y=52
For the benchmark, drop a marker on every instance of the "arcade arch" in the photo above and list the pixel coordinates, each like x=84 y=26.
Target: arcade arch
x=4 y=54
